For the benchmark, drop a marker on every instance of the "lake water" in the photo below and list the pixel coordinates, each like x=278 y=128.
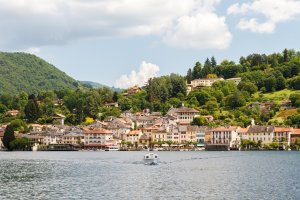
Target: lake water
x=122 y=175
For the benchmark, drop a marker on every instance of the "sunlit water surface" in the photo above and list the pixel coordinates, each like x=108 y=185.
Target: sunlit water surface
x=122 y=175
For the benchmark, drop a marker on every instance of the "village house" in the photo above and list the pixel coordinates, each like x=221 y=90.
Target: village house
x=98 y=138
x=200 y=135
x=282 y=135
x=134 y=136
x=183 y=115
x=223 y=138
x=112 y=105
x=120 y=126
x=242 y=133
x=294 y=136
x=51 y=138
x=76 y=139
x=159 y=136
x=265 y=134
x=13 y=112
x=236 y=80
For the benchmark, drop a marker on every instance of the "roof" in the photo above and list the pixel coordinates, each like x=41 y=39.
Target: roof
x=283 y=129
x=135 y=132
x=96 y=131
x=223 y=128
x=260 y=129
x=242 y=130
x=296 y=131
x=208 y=79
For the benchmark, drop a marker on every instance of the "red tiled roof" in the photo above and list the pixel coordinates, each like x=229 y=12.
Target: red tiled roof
x=296 y=131
x=282 y=129
x=222 y=128
x=96 y=131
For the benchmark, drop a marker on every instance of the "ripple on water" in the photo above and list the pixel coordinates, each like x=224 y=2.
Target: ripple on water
x=122 y=175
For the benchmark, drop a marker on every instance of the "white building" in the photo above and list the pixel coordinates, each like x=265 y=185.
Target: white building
x=183 y=115
x=134 y=136
x=204 y=82
x=265 y=134
x=226 y=137
x=98 y=138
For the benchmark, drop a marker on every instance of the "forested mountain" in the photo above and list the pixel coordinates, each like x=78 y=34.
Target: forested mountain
x=269 y=92
x=31 y=74
x=96 y=85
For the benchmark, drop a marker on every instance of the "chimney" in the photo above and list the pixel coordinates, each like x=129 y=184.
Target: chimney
x=252 y=122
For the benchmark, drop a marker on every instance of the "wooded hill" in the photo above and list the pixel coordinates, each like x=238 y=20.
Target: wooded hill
x=31 y=74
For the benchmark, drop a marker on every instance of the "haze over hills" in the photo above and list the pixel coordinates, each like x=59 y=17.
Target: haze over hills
x=96 y=85
x=31 y=74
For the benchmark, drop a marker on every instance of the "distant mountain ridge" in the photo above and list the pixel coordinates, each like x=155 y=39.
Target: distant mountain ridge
x=31 y=74
x=99 y=85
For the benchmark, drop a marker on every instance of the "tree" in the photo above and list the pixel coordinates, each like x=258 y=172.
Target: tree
x=285 y=55
x=235 y=100
x=247 y=86
x=280 y=83
x=213 y=62
x=8 y=137
x=32 y=111
x=295 y=99
x=199 y=121
x=189 y=76
x=270 y=84
x=211 y=106
x=294 y=83
x=115 y=97
x=197 y=70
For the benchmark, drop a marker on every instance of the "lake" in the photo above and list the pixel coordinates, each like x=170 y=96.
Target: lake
x=122 y=175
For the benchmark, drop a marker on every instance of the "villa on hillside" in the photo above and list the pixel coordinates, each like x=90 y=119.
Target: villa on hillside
x=183 y=115
x=208 y=82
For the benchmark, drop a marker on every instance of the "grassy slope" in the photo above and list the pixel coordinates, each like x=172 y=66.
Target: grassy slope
x=278 y=97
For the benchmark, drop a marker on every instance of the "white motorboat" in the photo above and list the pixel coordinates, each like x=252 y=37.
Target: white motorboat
x=112 y=148
x=151 y=159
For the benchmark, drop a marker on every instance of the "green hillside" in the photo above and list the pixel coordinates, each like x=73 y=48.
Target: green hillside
x=29 y=73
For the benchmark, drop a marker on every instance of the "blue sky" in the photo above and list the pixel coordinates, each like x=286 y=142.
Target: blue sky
x=123 y=43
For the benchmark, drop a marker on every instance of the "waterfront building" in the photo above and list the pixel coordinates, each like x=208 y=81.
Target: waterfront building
x=51 y=138
x=200 y=135
x=76 y=139
x=98 y=138
x=159 y=136
x=265 y=134
x=282 y=134
x=294 y=136
x=223 y=138
x=134 y=136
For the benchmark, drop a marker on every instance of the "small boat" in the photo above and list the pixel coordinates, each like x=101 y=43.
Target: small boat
x=112 y=148
x=151 y=159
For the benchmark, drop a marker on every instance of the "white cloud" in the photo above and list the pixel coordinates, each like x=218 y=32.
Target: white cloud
x=24 y=24
x=274 y=12
x=201 y=31
x=146 y=71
